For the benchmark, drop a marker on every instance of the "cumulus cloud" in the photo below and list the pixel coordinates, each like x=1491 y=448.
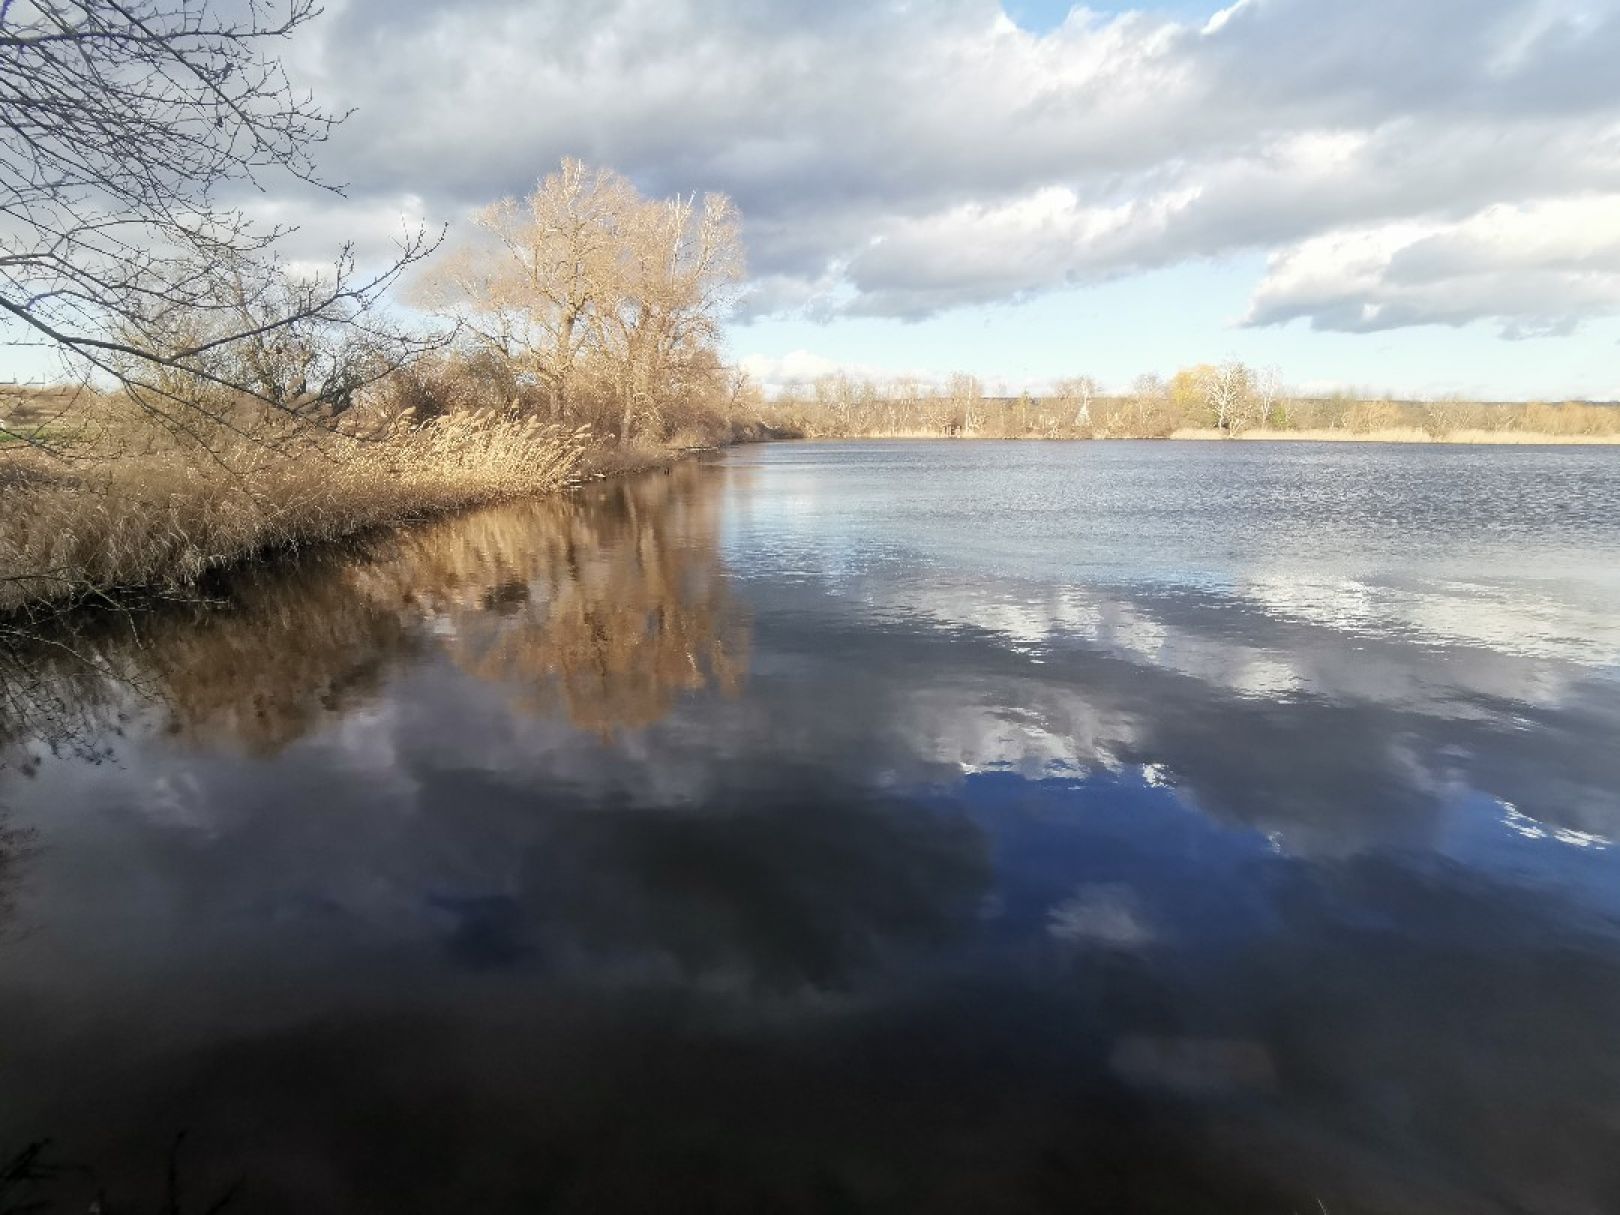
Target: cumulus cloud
x=1539 y=268
x=799 y=367
x=899 y=159
x=375 y=228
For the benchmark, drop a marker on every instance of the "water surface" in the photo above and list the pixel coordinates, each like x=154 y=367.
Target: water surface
x=840 y=827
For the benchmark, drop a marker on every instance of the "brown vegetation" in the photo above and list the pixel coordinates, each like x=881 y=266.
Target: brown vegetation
x=603 y=606
x=116 y=503
x=586 y=343
x=594 y=305
x=136 y=509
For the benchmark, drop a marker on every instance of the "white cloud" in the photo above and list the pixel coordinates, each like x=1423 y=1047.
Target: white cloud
x=799 y=367
x=1218 y=22
x=1537 y=268
x=377 y=227
x=899 y=159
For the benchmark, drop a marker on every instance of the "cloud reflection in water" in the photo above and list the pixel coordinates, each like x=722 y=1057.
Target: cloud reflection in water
x=732 y=824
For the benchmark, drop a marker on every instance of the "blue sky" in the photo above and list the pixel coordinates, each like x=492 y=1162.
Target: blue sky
x=1042 y=16
x=1166 y=319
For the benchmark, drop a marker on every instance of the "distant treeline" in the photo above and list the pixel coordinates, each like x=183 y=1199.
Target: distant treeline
x=1229 y=399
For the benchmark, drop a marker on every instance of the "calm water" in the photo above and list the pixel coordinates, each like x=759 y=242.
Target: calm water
x=916 y=827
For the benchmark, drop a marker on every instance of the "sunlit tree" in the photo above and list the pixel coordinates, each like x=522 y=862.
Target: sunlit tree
x=587 y=282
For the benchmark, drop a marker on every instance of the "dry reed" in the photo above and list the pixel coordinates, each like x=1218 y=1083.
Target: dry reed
x=165 y=517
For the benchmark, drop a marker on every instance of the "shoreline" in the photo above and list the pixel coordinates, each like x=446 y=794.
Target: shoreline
x=1459 y=438
x=54 y=596
x=1455 y=438
x=605 y=464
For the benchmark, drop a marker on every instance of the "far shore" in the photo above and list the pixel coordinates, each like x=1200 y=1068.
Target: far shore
x=1528 y=438
x=1475 y=438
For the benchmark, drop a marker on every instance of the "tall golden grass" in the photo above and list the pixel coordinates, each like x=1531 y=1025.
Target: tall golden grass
x=101 y=497
x=162 y=515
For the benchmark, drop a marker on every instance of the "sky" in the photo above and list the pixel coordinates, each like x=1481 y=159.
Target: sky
x=1408 y=196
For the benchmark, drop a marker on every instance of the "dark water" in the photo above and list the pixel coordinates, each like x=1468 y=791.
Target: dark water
x=912 y=827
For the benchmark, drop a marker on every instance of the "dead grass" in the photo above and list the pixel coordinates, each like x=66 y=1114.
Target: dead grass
x=165 y=517
x=119 y=502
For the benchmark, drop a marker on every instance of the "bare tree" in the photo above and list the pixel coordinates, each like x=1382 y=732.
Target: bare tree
x=1227 y=391
x=265 y=345
x=965 y=396
x=1079 y=392
x=1150 y=405
x=538 y=274
x=124 y=127
x=587 y=281
x=1443 y=415
x=1271 y=402
x=680 y=266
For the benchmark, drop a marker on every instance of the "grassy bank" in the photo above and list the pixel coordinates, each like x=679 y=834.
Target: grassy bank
x=162 y=515
x=118 y=504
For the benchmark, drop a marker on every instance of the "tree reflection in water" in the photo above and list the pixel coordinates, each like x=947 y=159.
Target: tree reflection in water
x=605 y=606
x=14 y=845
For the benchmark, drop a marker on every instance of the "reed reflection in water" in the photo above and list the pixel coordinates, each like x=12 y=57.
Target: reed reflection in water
x=605 y=607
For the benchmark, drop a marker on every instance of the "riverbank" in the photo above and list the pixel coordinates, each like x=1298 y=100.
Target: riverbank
x=160 y=520
x=161 y=516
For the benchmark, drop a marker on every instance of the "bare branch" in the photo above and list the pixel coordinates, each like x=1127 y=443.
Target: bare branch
x=122 y=123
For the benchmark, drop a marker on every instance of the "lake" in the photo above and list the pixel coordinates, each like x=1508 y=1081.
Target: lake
x=851 y=827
